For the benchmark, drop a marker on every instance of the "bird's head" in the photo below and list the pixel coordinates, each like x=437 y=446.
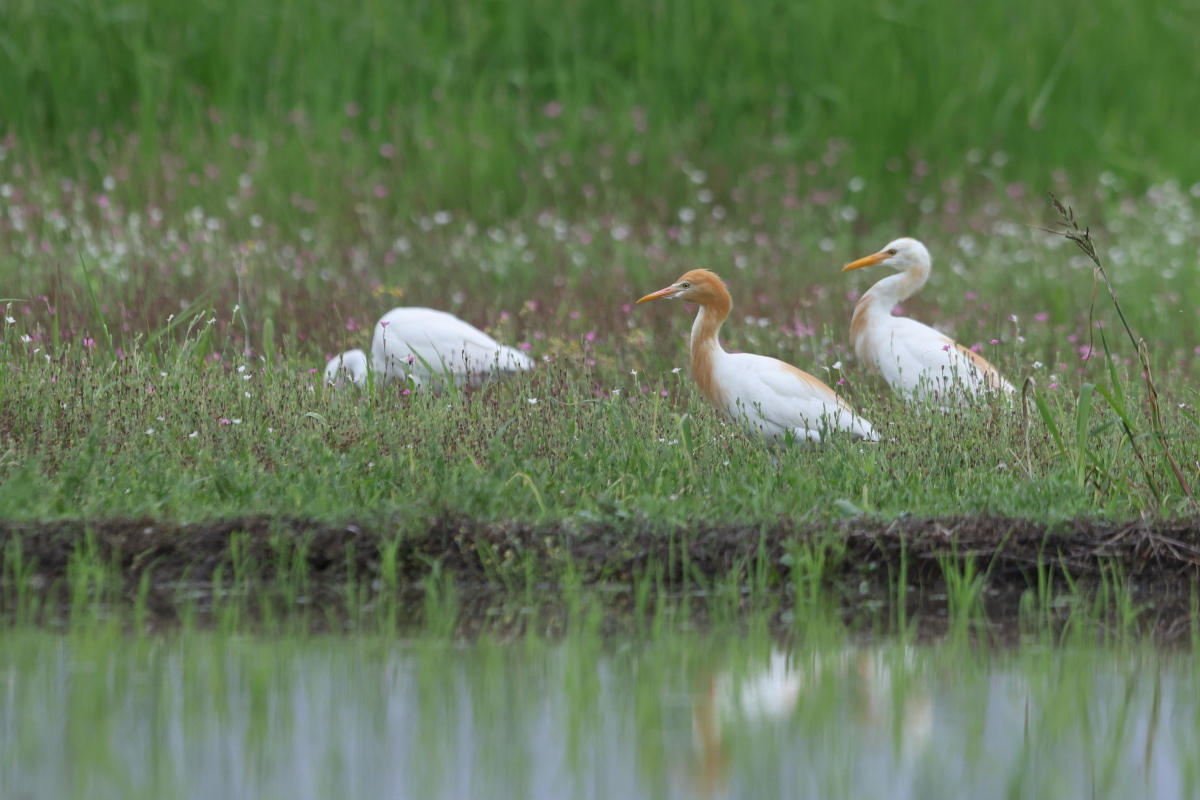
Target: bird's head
x=900 y=255
x=695 y=286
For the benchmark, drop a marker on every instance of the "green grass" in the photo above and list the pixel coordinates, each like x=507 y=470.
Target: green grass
x=473 y=100
x=180 y=441
x=189 y=416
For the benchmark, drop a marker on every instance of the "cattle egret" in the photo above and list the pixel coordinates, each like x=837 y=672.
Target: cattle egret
x=427 y=346
x=765 y=395
x=918 y=362
x=348 y=367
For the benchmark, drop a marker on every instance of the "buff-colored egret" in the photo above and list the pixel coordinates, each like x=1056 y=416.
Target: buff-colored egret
x=917 y=361
x=765 y=395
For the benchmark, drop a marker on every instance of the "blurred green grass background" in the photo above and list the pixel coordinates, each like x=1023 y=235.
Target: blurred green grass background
x=469 y=96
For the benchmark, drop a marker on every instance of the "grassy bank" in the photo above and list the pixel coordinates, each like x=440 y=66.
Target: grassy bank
x=198 y=208
x=157 y=364
x=464 y=105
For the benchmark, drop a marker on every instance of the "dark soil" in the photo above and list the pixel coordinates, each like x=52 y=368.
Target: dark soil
x=1009 y=549
x=486 y=561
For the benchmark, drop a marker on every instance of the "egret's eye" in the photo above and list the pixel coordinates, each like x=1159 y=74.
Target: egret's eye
x=685 y=286
x=892 y=252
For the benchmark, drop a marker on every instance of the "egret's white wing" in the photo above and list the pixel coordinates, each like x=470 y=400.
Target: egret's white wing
x=916 y=359
x=786 y=398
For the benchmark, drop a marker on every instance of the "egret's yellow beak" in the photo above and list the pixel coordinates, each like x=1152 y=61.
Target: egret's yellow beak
x=670 y=291
x=868 y=261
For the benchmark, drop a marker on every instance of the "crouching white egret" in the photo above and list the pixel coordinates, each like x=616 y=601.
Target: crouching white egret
x=428 y=346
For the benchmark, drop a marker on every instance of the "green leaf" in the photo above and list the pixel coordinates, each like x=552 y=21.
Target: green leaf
x=1083 y=413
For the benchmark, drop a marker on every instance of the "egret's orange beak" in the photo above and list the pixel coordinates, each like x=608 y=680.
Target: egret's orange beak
x=868 y=261
x=670 y=291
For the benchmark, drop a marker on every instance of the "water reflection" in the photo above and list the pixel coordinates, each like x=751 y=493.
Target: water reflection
x=886 y=698
x=201 y=717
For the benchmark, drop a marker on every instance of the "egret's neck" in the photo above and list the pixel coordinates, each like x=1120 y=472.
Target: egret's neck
x=880 y=299
x=706 y=348
x=897 y=288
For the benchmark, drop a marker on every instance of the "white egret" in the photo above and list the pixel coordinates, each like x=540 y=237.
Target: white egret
x=917 y=361
x=429 y=346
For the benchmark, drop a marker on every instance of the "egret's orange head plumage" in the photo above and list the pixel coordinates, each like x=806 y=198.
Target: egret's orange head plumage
x=694 y=286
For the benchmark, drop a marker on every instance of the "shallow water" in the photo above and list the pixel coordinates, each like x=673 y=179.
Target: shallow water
x=205 y=715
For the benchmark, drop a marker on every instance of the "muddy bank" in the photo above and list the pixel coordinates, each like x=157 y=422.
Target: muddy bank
x=501 y=556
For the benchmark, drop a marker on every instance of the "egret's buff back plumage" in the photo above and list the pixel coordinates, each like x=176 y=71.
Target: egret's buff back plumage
x=917 y=361
x=768 y=396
